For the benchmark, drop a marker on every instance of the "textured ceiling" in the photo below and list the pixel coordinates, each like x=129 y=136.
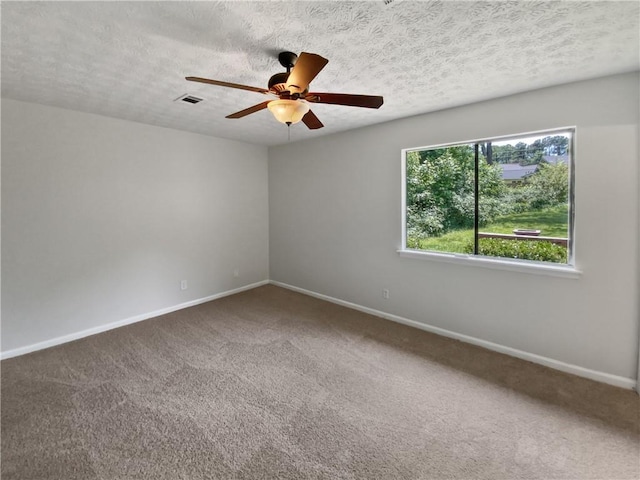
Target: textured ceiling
x=129 y=59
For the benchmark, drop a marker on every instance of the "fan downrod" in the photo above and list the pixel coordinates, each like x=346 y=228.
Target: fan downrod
x=287 y=60
x=277 y=82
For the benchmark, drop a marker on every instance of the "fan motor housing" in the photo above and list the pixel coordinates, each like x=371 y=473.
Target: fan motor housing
x=278 y=82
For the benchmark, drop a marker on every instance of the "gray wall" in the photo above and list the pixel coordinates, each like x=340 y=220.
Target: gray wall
x=335 y=226
x=102 y=219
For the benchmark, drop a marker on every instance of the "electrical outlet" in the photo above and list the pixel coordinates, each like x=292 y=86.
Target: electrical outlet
x=385 y=293
x=236 y=272
x=183 y=285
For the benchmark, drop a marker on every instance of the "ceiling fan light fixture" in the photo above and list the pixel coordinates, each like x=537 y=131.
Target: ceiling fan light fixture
x=292 y=87
x=288 y=111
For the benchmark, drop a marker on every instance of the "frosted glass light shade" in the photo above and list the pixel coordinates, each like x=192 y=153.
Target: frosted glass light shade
x=288 y=111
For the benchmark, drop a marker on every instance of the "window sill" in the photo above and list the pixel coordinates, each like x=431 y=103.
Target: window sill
x=524 y=266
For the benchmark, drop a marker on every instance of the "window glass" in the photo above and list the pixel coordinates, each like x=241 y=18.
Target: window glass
x=506 y=198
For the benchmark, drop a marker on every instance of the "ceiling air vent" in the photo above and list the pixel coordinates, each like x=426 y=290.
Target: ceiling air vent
x=189 y=99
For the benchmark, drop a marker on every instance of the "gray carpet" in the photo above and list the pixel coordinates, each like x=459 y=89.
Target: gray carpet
x=271 y=384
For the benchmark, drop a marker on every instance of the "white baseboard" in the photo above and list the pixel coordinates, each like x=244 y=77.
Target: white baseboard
x=628 y=383
x=121 y=323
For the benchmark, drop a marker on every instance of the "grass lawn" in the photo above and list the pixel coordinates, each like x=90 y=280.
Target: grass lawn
x=552 y=222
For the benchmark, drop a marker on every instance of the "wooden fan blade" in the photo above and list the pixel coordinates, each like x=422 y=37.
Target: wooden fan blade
x=306 y=68
x=367 y=101
x=227 y=84
x=311 y=121
x=247 y=111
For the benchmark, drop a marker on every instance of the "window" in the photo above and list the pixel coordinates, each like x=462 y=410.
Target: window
x=510 y=198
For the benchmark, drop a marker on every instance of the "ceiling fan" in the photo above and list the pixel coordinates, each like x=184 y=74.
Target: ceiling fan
x=292 y=89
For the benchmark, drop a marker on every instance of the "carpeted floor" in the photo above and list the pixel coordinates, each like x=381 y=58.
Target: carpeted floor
x=271 y=384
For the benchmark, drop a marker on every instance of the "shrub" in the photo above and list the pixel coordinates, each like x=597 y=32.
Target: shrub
x=426 y=223
x=540 y=251
x=549 y=186
x=518 y=199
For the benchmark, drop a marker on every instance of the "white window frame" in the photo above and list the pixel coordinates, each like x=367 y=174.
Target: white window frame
x=568 y=270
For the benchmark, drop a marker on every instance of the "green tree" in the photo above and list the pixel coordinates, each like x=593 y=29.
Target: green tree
x=521 y=152
x=556 y=145
x=440 y=190
x=487 y=152
x=529 y=154
x=504 y=154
